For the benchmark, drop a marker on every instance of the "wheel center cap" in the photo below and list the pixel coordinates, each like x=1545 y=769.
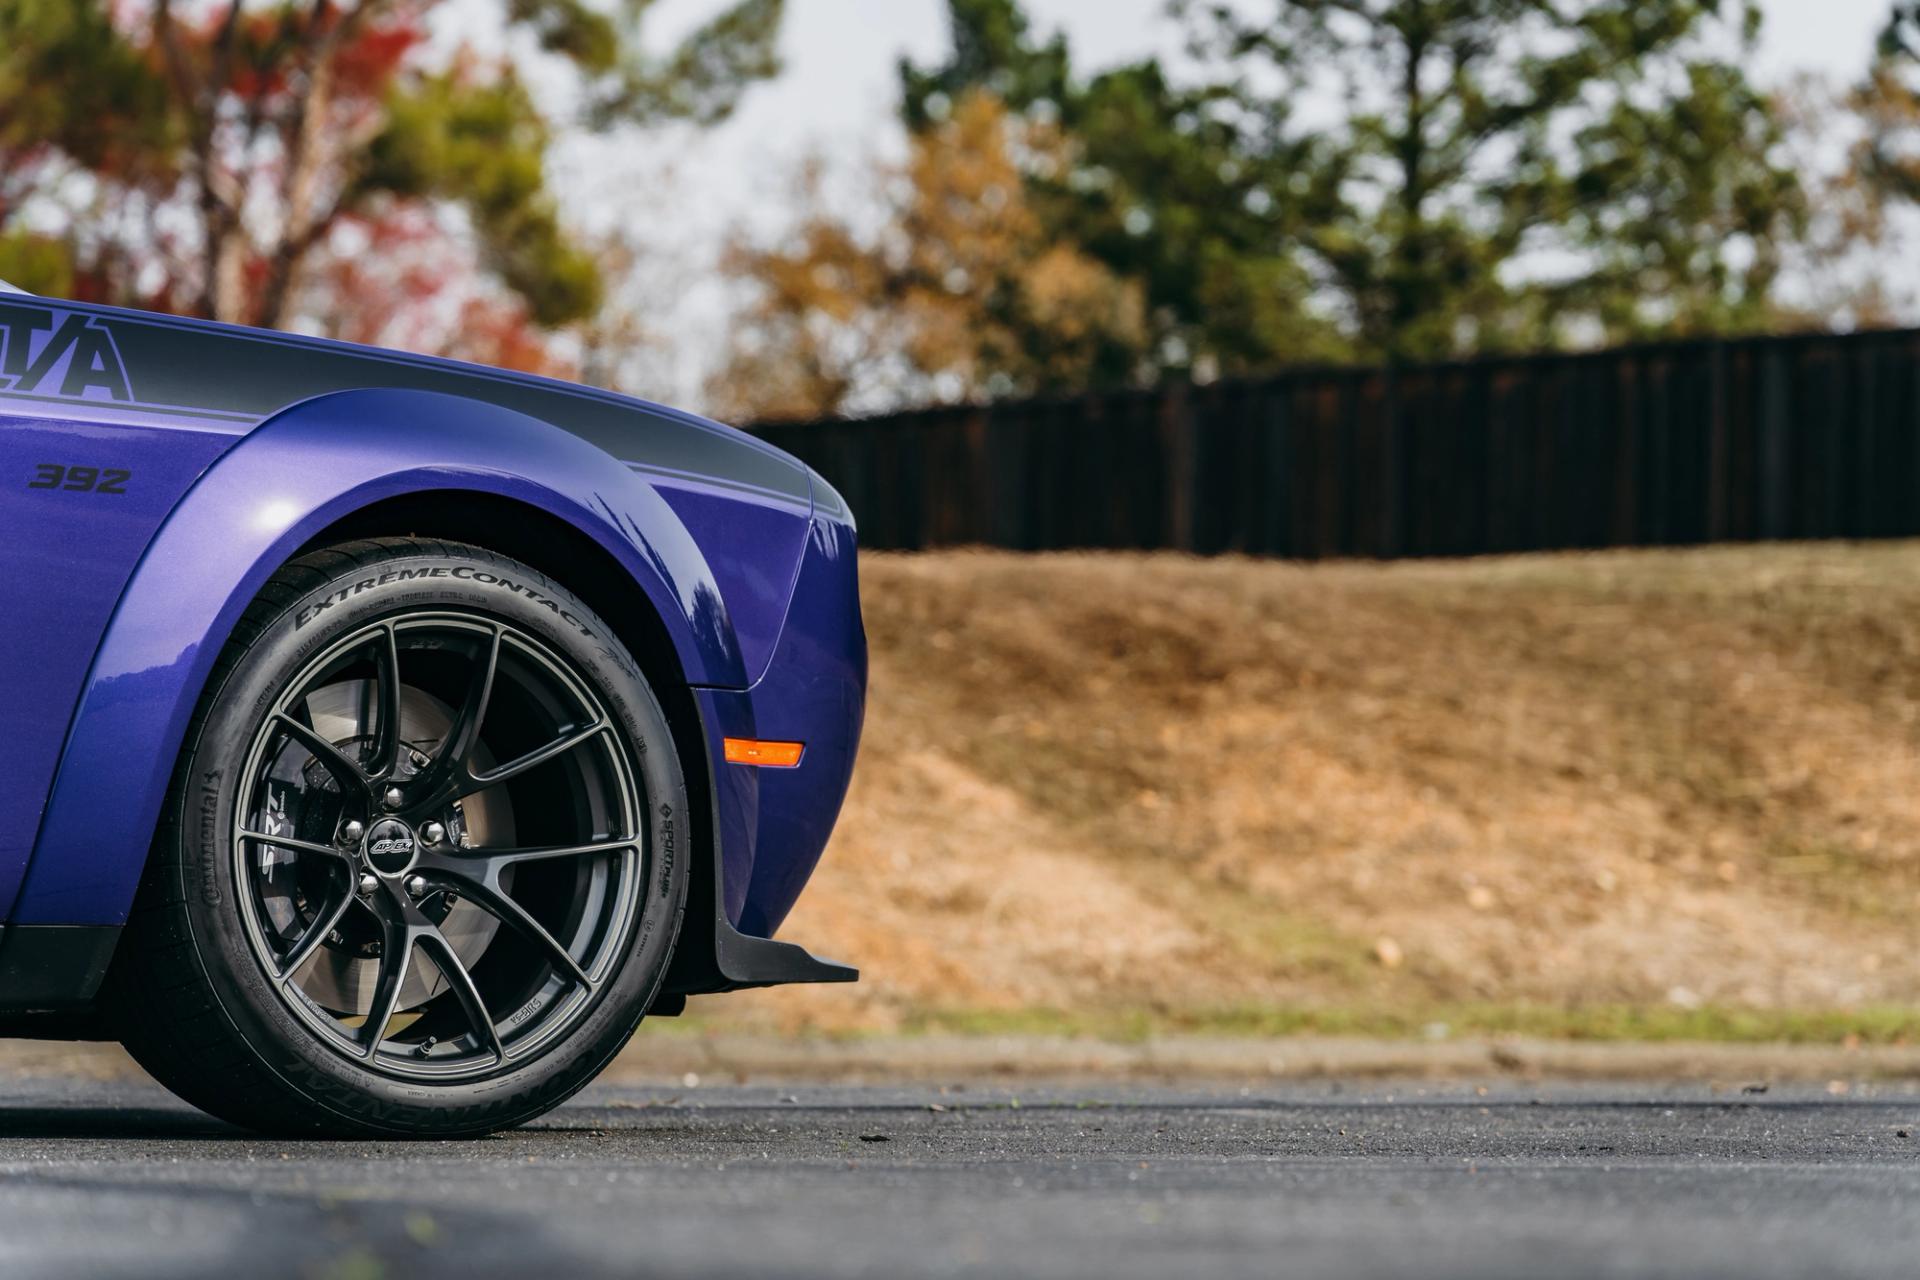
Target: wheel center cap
x=390 y=846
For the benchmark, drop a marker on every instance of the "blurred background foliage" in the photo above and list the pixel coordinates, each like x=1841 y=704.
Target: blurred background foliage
x=1305 y=181
x=314 y=164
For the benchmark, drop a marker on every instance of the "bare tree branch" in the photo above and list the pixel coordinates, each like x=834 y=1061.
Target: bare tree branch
x=306 y=223
x=219 y=196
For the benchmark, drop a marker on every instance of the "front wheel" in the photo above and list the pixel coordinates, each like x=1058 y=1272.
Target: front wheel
x=417 y=873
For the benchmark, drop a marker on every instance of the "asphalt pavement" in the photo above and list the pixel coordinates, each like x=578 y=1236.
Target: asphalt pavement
x=111 y=1177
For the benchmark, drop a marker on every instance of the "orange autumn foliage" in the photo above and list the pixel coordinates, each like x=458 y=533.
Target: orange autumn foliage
x=961 y=292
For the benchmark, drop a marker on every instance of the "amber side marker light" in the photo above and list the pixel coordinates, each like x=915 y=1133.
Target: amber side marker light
x=773 y=755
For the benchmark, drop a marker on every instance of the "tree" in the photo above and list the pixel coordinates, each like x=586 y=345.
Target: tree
x=1835 y=274
x=1409 y=178
x=1519 y=172
x=1160 y=183
x=1888 y=101
x=225 y=145
x=961 y=292
x=1885 y=168
x=1857 y=147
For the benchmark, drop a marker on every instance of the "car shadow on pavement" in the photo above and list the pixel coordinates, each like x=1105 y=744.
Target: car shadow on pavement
x=43 y=1121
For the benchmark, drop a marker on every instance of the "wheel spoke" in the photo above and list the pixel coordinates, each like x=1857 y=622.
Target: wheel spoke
x=316 y=933
x=448 y=773
x=396 y=957
x=331 y=758
x=386 y=745
x=287 y=842
x=497 y=859
x=537 y=757
x=447 y=961
x=503 y=908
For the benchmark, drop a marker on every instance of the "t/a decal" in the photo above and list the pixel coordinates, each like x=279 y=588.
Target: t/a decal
x=43 y=352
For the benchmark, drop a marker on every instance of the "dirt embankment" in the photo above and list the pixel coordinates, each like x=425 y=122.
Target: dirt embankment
x=1149 y=786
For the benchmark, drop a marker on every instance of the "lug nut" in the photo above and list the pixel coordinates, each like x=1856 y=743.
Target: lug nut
x=351 y=833
x=393 y=797
x=416 y=886
x=368 y=883
x=433 y=833
x=419 y=759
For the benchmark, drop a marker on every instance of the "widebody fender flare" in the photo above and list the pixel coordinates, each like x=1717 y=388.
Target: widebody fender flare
x=287 y=481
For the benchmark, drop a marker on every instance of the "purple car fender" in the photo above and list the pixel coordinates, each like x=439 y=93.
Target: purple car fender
x=321 y=461
x=158 y=470
x=250 y=513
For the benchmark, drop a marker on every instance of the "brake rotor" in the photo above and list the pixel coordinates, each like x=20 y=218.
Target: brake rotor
x=342 y=975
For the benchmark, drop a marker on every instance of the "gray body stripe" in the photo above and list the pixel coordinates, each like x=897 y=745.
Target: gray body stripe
x=191 y=368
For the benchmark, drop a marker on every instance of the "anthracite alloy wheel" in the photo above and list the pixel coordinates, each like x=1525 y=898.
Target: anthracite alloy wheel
x=420 y=867
x=378 y=828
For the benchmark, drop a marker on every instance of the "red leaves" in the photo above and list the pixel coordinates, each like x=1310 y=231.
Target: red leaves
x=250 y=190
x=408 y=283
x=273 y=52
x=367 y=63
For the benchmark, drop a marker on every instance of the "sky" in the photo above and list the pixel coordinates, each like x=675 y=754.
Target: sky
x=840 y=55
x=836 y=100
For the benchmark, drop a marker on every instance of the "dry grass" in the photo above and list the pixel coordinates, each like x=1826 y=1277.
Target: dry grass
x=1145 y=787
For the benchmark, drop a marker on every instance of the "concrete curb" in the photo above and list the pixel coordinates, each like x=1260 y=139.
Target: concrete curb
x=1039 y=1057
x=733 y=1057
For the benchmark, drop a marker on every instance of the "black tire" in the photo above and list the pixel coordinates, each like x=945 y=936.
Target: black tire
x=193 y=990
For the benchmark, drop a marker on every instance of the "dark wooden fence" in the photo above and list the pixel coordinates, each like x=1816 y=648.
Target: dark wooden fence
x=1797 y=437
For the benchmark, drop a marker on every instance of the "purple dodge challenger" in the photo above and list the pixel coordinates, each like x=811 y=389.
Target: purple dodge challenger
x=385 y=737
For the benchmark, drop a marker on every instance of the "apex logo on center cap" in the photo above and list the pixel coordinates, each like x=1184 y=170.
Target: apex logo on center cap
x=390 y=846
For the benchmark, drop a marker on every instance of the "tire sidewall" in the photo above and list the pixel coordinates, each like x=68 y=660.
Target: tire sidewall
x=212 y=772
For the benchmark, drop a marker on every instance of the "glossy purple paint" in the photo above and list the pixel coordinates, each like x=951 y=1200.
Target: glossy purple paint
x=754 y=550
x=814 y=691
x=64 y=559
x=121 y=607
